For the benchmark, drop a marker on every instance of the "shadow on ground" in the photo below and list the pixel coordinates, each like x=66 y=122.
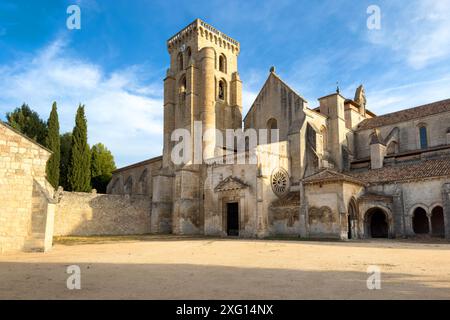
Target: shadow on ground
x=187 y=281
x=436 y=243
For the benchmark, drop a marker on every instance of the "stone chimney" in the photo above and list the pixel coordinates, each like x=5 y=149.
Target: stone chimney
x=377 y=151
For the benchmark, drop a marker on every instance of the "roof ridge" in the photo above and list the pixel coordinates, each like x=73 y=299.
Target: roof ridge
x=333 y=173
x=382 y=120
x=137 y=164
x=265 y=83
x=416 y=107
x=429 y=168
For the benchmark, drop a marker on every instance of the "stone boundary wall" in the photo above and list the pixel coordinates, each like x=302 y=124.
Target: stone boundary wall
x=22 y=169
x=86 y=214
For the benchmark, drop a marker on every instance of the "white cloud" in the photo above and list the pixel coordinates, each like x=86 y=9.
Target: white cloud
x=123 y=112
x=392 y=99
x=418 y=31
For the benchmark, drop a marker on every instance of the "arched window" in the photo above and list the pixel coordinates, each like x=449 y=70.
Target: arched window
x=222 y=90
x=182 y=90
x=143 y=185
x=247 y=143
x=183 y=84
x=180 y=61
x=128 y=187
x=272 y=124
x=115 y=187
x=222 y=63
x=423 y=137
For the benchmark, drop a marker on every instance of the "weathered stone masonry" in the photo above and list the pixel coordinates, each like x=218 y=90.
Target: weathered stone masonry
x=26 y=204
x=348 y=173
x=86 y=214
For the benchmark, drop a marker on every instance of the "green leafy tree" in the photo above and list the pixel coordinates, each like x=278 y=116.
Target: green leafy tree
x=28 y=122
x=53 y=143
x=79 y=175
x=66 y=146
x=102 y=166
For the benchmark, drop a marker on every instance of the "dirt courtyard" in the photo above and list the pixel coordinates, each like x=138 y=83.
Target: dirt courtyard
x=200 y=268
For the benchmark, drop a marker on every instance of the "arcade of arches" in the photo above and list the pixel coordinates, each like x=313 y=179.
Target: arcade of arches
x=431 y=223
x=377 y=224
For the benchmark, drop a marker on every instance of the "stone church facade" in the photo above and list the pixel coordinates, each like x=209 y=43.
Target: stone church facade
x=336 y=171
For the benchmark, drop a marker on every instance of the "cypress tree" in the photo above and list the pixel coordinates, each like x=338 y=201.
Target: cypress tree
x=53 y=143
x=66 y=146
x=80 y=158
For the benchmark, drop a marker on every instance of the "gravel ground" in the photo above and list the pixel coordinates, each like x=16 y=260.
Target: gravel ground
x=201 y=268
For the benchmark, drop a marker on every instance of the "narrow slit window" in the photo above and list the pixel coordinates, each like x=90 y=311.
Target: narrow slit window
x=423 y=137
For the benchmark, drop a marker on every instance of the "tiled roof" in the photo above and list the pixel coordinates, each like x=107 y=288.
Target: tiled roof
x=406 y=115
x=375 y=197
x=410 y=171
x=328 y=176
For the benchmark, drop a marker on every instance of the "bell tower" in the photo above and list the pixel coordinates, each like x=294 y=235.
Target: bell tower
x=202 y=84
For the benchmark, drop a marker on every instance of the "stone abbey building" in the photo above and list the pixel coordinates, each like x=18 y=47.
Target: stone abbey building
x=336 y=171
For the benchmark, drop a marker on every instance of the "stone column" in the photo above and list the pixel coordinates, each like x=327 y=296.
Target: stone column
x=49 y=226
x=169 y=116
x=446 y=207
x=186 y=212
x=399 y=214
x=303 y=212
x=236 y=100
x=207 y=99
x=191 y=102
x=161 y=215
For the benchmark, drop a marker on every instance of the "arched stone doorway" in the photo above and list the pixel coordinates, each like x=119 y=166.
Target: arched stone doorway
x=420 y=221
x=352 y=219
x=437 y=222
x=377 y=224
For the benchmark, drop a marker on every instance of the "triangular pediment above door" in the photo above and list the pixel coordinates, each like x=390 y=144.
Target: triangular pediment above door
x=230 y=183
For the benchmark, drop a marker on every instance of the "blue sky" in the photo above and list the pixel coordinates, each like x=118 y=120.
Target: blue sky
x=116 y=62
